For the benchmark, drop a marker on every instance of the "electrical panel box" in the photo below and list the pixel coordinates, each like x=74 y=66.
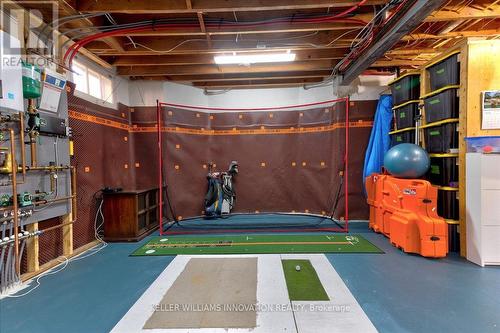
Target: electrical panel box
x=52 y=125
x=11 y=89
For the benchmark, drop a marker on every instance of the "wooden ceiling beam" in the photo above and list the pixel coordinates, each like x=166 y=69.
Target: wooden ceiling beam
x=265 y=86
x=468 y=12
x=127 y=56
x=198 y=47
x=452 y=34
x=275 y=29
x=411 y=51
x=185 y=44
x=203 y=50
x=195 y=59
x=398 y=63
x=210 y=6
x=67 y=9
x=112 y=53
x=247 y=76
x=227 y=69
x=252 y=83
x=204 y=29
x=35 y=19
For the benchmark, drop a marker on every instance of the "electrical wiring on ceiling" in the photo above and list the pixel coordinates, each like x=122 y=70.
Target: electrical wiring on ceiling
x=44 y=34
x=165 y=24
x=363 y=44
x=161 y=25
x=112 y=20
x=267 y=41
x=364 y=39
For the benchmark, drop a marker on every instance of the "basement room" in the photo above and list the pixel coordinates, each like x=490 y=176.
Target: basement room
x=248 y=166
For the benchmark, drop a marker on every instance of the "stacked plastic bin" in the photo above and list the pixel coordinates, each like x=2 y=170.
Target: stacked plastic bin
x=440 y=138
x=404 y=210
x=405 y=93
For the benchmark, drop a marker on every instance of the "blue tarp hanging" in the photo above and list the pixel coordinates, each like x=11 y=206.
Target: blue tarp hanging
x=379 y=138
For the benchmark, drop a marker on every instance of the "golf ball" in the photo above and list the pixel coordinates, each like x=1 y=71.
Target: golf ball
x=297 y=268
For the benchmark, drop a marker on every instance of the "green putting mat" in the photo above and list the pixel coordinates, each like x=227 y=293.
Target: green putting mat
x=303 y=284
x=256 y=244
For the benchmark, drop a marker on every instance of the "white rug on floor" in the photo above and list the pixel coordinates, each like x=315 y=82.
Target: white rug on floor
x=275 y=312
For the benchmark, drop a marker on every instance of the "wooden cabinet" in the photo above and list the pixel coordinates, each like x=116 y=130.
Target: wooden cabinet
x=130 y=215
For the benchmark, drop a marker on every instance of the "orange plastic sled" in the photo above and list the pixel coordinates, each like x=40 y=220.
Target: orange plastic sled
x=405 y=210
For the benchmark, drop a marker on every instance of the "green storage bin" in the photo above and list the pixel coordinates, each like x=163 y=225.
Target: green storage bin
x=403 y=137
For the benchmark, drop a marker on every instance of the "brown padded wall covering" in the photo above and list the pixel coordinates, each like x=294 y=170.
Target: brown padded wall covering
x=277 y=186
x=118 y=157
x=104 y=151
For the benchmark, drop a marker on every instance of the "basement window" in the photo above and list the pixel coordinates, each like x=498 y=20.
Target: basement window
x=107 y=89
x=80 y=77
x=92 y=83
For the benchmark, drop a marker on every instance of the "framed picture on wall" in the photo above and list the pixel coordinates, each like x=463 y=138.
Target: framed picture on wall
x=491 y=109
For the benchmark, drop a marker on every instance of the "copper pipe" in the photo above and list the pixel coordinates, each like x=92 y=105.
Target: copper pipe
x=23 y=150
x=48 y=168
x=73 y=193
x=14 y=202
x=53 y=183
x=39 y=203
x=44 y=202
x=56 y=226
x=32 y=136
x=33 y=152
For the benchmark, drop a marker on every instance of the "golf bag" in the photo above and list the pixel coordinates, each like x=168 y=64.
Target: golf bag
x=221 y=195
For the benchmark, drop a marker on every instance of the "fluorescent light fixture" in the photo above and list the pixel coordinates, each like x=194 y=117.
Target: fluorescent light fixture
x=254 y=58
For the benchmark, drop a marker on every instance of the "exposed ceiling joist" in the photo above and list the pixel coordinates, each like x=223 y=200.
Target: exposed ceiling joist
x=209 y=6
x=399 y=63
x=468 y=12
x=247 y=83
x=184 y=52
x=302 y=50
x=247 y=76
x=412 y=51
x=275 y=29
x=197 y=46
x=68 y=10
x=404 y=22
x=193 y=59
x=204 y=29
x=452 y=34
x=213 y=69
x=203 y=50
x=301 y=66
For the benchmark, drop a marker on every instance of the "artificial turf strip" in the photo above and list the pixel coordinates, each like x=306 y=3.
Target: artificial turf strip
x=256 y=244
x=303 y=285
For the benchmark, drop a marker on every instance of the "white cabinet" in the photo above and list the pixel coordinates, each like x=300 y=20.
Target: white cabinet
x=483 y=208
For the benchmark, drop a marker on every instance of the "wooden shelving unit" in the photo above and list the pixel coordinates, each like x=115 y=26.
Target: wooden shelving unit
x=479 y=71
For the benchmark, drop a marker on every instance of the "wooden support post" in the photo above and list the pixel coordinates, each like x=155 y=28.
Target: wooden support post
x=32 y=249
x=67 y=234
x=480 y=70
x=462 y=148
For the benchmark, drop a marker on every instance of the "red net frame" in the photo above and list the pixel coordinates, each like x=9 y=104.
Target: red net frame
x=160 y=105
